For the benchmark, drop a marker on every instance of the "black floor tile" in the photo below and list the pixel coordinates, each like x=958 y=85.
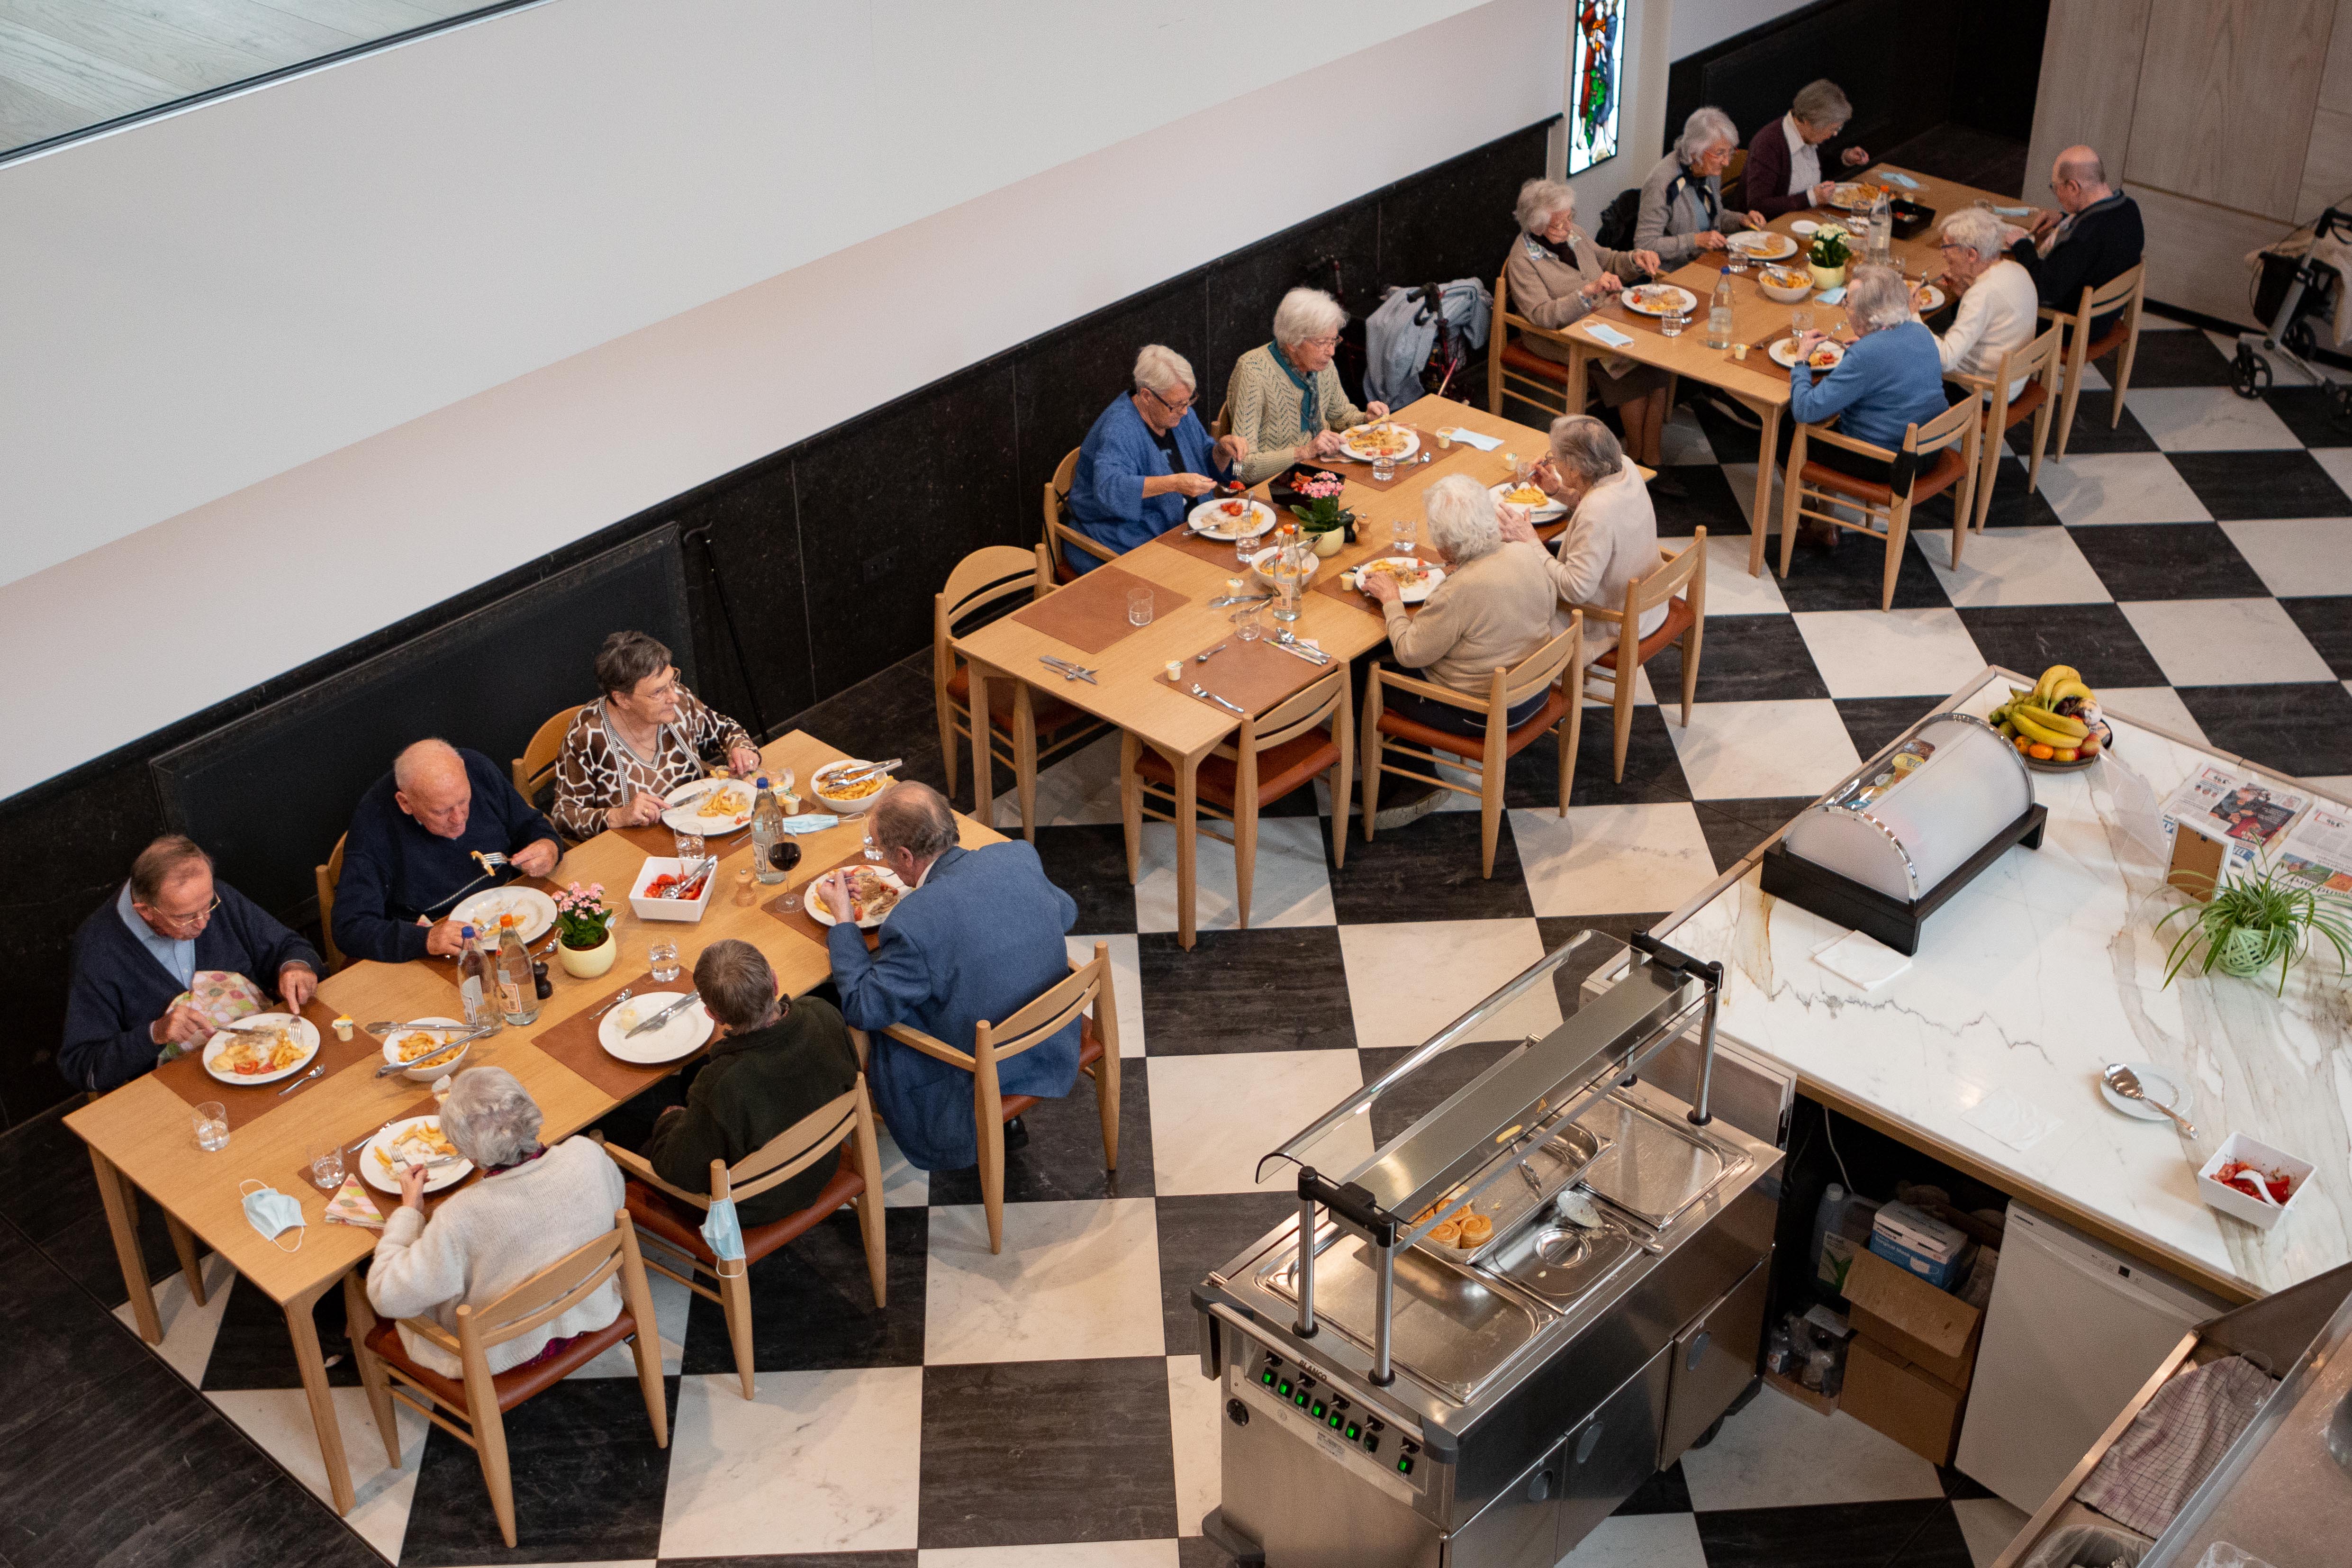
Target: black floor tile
x=1874 y=721
x=2326 y=623
x=1278 y=988
x=1064 y=1159
x=64 y=1348
x=2301 y=729
x=2092 y=435
x=1034 y=1452
x=2013 y=506
x=589 y=1482
x=2168 y=561
x=2234 y=485
x=813 y=1303
x=1729 y=838
x=1711 y=504
x=1834 y=1535
x=1201 y=1232
x=2316 y=418
x=1744 y=659
x=1428 y=870
x=893 y=715
x=1959 y=1488
x=2094 y=638
x=1200 y=1552
x=1665 y=1492
x=1654 y=769
x=2165 y=358
x=1851 y=574
x=253 y=1348
x=1728 y=438
x=1090 y=865
x=49 y=1193
x=1936 y=1544
x=1964 y=154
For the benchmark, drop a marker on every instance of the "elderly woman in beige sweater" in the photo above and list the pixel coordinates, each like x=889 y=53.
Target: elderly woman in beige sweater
x=1284 y=398
x=1612 y=536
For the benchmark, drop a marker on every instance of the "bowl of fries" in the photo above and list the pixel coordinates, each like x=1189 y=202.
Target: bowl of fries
x=426 y=1052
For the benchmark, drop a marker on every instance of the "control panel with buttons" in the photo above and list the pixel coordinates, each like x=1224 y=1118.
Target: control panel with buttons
x=1334 y=1421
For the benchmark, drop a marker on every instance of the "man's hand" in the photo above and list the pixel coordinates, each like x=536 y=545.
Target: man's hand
x=412 y=1187
x=830 y=888
x=1190 y=485
x=1807 y=344
x=2044 y=223
x=444 y=938
x=1708 y=239
x=182 y=1025
x=538 y=858
x=1377 y=410
x=1512 y=522
x=1854 y=158
x=296 y=983
x=744 y=761
x=1381 y=586
x=1648 y=261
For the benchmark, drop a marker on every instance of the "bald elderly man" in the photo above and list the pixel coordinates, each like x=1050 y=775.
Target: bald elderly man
x=409 y=859
x=2095 y=237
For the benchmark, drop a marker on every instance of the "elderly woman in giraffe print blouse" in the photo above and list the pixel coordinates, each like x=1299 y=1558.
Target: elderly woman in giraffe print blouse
x=646 y=737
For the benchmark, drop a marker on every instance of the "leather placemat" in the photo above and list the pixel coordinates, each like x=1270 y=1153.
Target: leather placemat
x=799 y=920
x=187 y=1079
x=574 y=1044
x=1334 y=586
x=423 y=1105
x=1357 y=473
x=1254 y=675
x=1217 y=552
x=1090 y=614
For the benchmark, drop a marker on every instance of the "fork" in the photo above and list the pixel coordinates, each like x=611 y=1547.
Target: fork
x=305 y=1078
x=1199 y=690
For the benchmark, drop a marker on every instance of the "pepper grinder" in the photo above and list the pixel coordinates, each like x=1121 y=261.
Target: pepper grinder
x=540 y=983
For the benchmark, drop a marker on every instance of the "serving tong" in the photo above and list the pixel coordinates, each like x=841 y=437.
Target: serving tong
x=871 y=770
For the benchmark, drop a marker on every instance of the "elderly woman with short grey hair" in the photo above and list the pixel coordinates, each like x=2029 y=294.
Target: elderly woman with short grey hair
x=644 y=740
x=1889 y=380
x=1612 y=537
x=1784 y=160
x=1146 y=460
x=532 y=1205
x=1997 y=301
x=1284 y=398
x=1682 y=201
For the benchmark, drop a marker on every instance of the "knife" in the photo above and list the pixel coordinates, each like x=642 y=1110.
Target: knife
x=1297 y=652
x=646 y=1025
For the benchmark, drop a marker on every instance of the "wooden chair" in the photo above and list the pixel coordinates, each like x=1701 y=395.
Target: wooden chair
x=1734 y=179
x=1018 y=714
x=1297 y=741
x=1061 y=538
x=1516 y=372
x=2039 y=361
x=2128 y=290
x=996 y=1044
x=1554 y=665
x=1811 y=490
x=674 y=1216
x=536 y=766
x=1680 y=584
x=475 y=1404
x=330 y=877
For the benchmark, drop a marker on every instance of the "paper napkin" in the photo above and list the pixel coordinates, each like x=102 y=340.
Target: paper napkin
x=352 y=1206
x=1607 y=335
x=1472 y=438
x=2012 y=1120
x=1862 y=959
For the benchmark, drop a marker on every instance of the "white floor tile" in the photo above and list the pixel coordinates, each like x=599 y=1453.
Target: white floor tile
x=2337 y=461
x=2297 y=556
x=1740 y=750
x=2203 y=419
x=1067 y=1555
x=188 y=1329
x=1213 y=1116
x=820 y=1461
x=1988 y=1524
x=1075 y=1279
x=1890 y=653
x=279 y=1420
x=1778 y=1453
x=2159 y=707
x=903 y=1186
x=2225 y=642
x=1408 y=979
x=1730 y=591
x=671 y=1300
x=2011 y=566
x=1196 y=1410
x=2119 y=487
x=1292 y=885
x=1641 y=1541
x=1126 y=985
x=1682 y=440
x=1741 y=478
x=1611 y=860
x=1080 y=789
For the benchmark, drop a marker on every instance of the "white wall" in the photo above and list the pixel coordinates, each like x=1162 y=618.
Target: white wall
x=344 y=353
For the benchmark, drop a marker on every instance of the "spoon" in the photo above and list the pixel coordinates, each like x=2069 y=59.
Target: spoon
x=1203 y=658
x=2125 y=1083
x=613 y=1004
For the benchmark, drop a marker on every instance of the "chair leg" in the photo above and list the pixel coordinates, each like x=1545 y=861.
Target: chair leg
x=1792 y=497
x=1692 y=639
x=2122 y=379
x=1987 y=474
x=1371 y=744
x=2041 y=438
x=490 y=1449
x=1898 y=527
x=990 y=1116
x=735 y=1301
x=1130 y=801
x=640 y=1300
x=360 y=1319
x=947 y=735
x=1107 y=1104
x=1342 y=777
x=1571 y=734
x=1622 y=701
x=1245 y=861
x=1490 y=817
x=871 y=1218
x=2066 y=409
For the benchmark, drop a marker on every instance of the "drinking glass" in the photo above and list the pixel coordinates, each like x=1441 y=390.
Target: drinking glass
x=785 y=855
x=1139 y=606
x=690 y=846
x=327 y=1166
x=873 y=851
x=1244 y=548
x=1671 y=324
x=1246 y=625
x=212 y=1126
x=663 y=959
x=1402 y=532
x=1383 y=468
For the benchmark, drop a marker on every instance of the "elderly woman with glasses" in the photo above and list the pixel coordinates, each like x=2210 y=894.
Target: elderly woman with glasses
x=646 y=737
x=1284 y=399
x=533 y=1204
x=1997 y=301
x=1612 y=537
x=1556 y=277
x=1784 y=160
x=1146 y=458
x=1682 y=201
x=1890 y=379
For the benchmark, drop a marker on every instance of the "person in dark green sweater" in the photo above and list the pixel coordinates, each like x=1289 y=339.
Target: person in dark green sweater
x=775 y=1061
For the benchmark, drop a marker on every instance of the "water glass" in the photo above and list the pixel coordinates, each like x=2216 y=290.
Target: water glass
x=1401 y=536
x=873 y=850
x=327 y=1166
x=1383 y=468
x=212 y=1126
x=1139 y=606
x=1246 y=625
x=1243 y=550
x=1800 y=321
x=1671 y=324
x=662 y=958
x=689 y=848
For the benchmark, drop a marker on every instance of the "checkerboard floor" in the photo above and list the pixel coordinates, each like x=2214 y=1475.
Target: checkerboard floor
x=1044 y=1407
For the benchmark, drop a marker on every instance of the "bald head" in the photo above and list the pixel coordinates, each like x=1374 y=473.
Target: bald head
x=2078 y=178
x=429 y=784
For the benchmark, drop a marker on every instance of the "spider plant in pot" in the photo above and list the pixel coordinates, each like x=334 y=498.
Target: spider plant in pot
x=1323 y=519
x=2257 y=921
x=1828 y=255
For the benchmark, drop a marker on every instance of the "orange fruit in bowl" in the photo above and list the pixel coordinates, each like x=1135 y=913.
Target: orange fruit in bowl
x=2041 y=752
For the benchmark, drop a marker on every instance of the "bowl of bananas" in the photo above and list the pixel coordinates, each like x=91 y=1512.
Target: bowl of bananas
x=2056 y=727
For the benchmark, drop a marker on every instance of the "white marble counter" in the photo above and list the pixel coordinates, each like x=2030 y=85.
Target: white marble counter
x=2040 y=972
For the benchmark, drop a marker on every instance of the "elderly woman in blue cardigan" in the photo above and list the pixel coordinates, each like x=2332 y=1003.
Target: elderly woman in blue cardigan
x=1145 y=460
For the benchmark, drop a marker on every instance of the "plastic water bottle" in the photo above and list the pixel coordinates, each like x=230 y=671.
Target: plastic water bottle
x=518 y=994
x=475 y=983
x=767 y=833
x=1718 y=312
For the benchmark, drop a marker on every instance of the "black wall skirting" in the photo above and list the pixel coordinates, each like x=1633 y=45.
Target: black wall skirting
x=829 y=550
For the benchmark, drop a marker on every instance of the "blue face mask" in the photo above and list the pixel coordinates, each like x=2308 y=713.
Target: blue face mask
x=724 y=1232
x=273 y=1213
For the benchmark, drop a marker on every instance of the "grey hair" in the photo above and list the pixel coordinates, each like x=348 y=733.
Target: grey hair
x=1706 y=127
x=1586 y=445
x=1538 y=199
x=2084 y=165
x=416 y=756
x=162 y=863
x=913 y=816
x=738 y=987
x=626 y=659
x=490 y=1117
x=1975 y=229
x=1875 y=297
x=1462 y=521
x=1307 y=313
x=1822 y=103
x=1158 y=367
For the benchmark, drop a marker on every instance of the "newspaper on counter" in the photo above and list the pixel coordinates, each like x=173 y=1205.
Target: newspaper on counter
x=2318 y=852
x=2192 y=802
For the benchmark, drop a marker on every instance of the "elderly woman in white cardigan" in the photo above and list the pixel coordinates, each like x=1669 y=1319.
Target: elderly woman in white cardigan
x=1682 y=201
x=1284 y=398
x=1612 y=536
x=1997 y=298
x=532 y=1205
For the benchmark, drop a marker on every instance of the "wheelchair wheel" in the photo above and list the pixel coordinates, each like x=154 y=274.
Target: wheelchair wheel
x=2250 y=373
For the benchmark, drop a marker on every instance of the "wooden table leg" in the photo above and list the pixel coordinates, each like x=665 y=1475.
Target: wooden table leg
x=304 y=1330
x=121 y=1219
x=982 y=802
x=184 y=1243
x=1576 y=362
x=1760 y=518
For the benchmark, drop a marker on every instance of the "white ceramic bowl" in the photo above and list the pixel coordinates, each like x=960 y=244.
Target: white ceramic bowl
x=2253 y=1152
x=668 y=909
x=1771 y=291
x=440 y=1025
x=837 y=805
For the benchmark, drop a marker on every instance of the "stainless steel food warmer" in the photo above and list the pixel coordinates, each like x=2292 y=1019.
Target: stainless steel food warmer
x=1395 y=1397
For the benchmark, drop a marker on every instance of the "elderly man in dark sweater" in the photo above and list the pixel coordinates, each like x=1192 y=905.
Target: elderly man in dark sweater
x=138 y=956
x=409 y=856
x=2097 y=239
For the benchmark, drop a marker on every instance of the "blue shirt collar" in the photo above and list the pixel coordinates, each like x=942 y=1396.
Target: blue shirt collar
x=176 y=954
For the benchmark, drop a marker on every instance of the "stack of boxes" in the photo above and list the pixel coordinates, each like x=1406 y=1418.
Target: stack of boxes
x=1915 y=1343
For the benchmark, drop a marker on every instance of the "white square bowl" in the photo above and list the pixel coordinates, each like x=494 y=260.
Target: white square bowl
x=686 y=909
x=2253 y=1152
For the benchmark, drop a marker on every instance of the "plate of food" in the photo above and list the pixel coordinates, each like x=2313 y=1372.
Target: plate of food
x=680 y=1034
x=429 y=1048
x=1825 y=356
x=1931 y=300
x=1659 y=300
x=874 y=892
x=533 y=912
x=262 y=1048
x=1761 y=245
x=1851 y=196
x=708 y=807
x=1540 y=506
x=1237 y=518
x=413 y=1141
x=1415 y=578
x=1379 y=440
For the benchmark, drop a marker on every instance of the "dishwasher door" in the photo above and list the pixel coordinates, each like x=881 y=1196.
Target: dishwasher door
x=1714 y=1359
x=1608 y=1455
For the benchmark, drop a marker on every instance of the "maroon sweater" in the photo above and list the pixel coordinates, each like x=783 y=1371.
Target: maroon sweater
x=1767 y=173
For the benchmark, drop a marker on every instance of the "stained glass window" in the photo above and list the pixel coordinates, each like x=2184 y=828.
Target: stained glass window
x=1599 y=47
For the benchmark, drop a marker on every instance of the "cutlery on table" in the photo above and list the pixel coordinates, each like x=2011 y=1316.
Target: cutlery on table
x=463 y=1038
x=381 y=1030
x=2125 y=1083
x=305 y=1078
x=1301 y=651
x=1199 y=690
x=614 y=1003
x=1203 y=658
x=648 y=1026
x=1241 y=599
x=871 y=770
x=1068 y=670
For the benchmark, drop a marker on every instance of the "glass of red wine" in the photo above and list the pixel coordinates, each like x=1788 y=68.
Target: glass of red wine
x=784 y=855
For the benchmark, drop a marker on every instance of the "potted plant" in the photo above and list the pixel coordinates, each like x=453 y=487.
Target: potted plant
x=1322 y=519
x=2258 y=919
x=1828 y=255
x=583 y=931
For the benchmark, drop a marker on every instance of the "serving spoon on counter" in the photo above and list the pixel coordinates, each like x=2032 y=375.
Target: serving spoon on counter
x=2125 y=1083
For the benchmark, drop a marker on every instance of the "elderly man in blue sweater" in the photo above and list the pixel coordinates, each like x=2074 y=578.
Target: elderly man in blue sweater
x=1146 y=459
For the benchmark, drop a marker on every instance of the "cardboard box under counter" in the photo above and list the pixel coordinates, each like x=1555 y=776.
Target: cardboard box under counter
x=1912 y=1357
x=1898 y=1398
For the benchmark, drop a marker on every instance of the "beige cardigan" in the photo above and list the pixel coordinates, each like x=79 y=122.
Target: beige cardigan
x=1493 y=611
x=1543 y=289
x=1612 y=538
x=1262 y=406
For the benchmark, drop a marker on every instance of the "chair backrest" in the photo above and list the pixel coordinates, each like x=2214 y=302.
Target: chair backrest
x=1298 y=713
x=793 y=1149
x=553 y=1291
x=1542 y=667
x=537 y=763
x=984 y=578
x=2041 y=358
x=1045 y=1017
x=331 y=876
x=1733 y=172
x=1222 y=425
x=1953 y=425
x=2123 y=286
x=1680 y=569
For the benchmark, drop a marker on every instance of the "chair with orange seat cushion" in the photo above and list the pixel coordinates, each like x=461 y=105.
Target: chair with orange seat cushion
x=674 y=1216
x=1060 y=537
x=2127 y=290
x=1516 y=372
x=1941 y=454
x=1680 y=584
x=1553 y=666
x=2038 y=364
x=1305 y=736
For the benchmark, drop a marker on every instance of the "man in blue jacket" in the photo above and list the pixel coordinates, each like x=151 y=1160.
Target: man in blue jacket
x=136 y=959
x=978 y=937
x=409 y=856
x=1147 y=458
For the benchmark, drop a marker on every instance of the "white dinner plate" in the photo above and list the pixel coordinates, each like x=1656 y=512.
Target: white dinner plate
x=1851 y=196
x=681 y=1036
x=375 y=1160
x=1210 y=519
x=2155 y=1083
x=307 y=1030
x=1931 y=298
x=441 y=1028
x=1763 y=245
x=683 y=813
x=1410 y=592
x=1659 y=300
x=1784 y=351
x=811 y=902
x=1545 y=514
x=533 y=912
x=1362 y=453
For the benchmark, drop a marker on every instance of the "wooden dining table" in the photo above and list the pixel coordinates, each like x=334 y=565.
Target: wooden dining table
x=1755 y=381
x=1130 y=688
x=141 y=1136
